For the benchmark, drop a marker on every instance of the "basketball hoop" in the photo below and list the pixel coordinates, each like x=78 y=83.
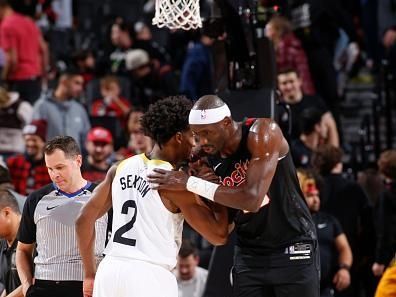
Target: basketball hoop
x=177 y=14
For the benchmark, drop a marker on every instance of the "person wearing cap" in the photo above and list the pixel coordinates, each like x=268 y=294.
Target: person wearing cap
x=99 y=145
x=276 y=252
x=150 y=82
x=28 y=171
x=335 y=252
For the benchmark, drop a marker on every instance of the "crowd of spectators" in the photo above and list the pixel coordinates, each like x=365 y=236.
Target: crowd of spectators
x=91 y=74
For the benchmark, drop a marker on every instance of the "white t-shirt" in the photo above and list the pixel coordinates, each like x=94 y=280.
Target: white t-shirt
x=194 y=287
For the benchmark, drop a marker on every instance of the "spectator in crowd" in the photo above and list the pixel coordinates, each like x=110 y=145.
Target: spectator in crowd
x=84 y=61
x=387 y=22
x=122 y=41
x=111 y=104
x=136 y=142
x=386 y=241
x=6 y=184
x=63 y=114
x=289 y=52
x=290 y=85
x=387 y=30
x=10 y=217
x=150 y=83
x=317 y=25
x=24 y=48
x=99 y=146
x=335 y=252
x=47 y=223
x=14 y=114
x=28 y=171
x=144 y=40
x=312 y=131
x=60 y=33
x=191 y=279
x=346 y=200
x=196 y=77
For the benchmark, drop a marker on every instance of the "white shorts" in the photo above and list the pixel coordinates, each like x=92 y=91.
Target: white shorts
x=121 y=277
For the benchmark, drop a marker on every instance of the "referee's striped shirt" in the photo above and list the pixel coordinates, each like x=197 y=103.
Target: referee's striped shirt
x=48 y=219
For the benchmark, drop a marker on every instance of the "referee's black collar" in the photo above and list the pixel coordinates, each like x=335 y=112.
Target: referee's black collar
x=71 y=195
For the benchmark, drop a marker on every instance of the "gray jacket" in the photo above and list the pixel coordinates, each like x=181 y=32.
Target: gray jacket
x=63 y=118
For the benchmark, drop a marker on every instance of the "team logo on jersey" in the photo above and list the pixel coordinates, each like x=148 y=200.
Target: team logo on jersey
x=237 y=176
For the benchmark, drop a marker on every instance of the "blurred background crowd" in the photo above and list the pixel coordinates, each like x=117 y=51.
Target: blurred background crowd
x=90 y=69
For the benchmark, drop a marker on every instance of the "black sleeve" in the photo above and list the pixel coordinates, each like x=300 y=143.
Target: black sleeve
x=27 y=227
x=384 y=250
x=337 y=229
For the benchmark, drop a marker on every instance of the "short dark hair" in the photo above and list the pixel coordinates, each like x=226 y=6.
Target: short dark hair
x=187 y=248
x=4 y=3
x=69 y=73
x=287 y=70
x=67 y=144
x=308 y=119
x=166 y=117
x=326 y=157
x=8 y=200
x=387 y=164
x=4 y=175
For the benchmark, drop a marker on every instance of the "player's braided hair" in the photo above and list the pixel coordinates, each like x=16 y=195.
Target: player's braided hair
x=166 y=117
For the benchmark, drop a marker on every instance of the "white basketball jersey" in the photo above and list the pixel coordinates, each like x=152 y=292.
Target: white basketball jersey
x=143 y=228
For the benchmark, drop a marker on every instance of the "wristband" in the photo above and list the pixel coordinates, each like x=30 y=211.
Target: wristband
x=344 y=266
x=201 y=187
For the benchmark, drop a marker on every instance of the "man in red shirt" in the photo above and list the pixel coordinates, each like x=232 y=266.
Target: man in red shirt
x=28 y=171
x=26 y=53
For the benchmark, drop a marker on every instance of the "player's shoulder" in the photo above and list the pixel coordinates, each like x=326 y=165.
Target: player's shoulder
x=128 y=162
x=265 y=126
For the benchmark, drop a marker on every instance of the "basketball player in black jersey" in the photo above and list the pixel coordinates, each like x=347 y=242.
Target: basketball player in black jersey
x=276 y=250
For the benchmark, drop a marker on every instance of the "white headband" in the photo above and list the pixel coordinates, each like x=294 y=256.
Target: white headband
x=208 y=116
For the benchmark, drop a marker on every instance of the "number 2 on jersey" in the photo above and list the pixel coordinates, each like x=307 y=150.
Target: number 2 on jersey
x=128 y=226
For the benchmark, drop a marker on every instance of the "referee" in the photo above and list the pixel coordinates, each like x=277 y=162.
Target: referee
x=48 y=221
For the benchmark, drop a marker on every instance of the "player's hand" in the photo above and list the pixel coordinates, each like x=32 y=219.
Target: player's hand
x=168 y=179
x=202 y=170
x=342 y=279
x=378 y=269
x=88 y=285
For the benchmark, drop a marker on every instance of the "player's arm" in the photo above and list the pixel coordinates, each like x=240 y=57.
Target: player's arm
x=265 y=143
x=342 y=278
x=211 y=222
x=96 y=207
x=24 y=263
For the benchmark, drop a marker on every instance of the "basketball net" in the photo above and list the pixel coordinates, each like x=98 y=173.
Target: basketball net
x=177 y=14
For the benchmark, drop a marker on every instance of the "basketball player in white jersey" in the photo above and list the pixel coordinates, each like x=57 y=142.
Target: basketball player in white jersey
x=147 y=225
